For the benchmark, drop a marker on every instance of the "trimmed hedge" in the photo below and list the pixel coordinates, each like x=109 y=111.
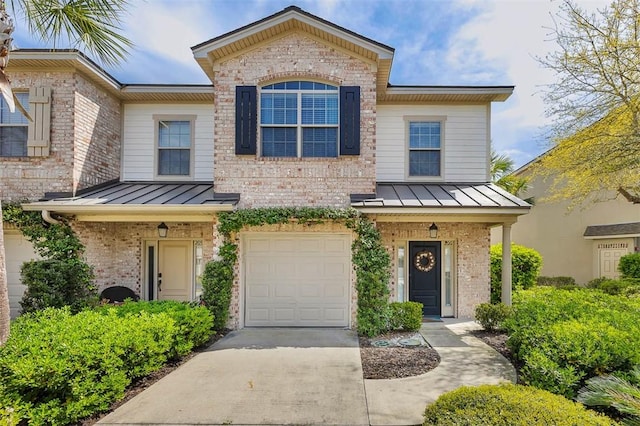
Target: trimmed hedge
x=560 y=282
x=525 y=268
x=57 y=368
x=508 y=405
x=492 y=316
x=565 y=337
x=193 y=324
x=405 y=316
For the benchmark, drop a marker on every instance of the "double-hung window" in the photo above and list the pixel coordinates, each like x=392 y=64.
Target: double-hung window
x=425 y=148
x=175 y=145
x=13 y=128
x=299 y=119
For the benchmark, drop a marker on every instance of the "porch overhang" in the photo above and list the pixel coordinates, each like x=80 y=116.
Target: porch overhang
x=618 y=230
x=409 y=202
x=140 y=202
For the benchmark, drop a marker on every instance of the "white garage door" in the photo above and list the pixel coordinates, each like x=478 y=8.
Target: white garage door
x=297 y=279
x=17 y=251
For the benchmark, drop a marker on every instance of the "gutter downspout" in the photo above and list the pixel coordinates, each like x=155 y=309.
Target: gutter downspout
x=46 y=215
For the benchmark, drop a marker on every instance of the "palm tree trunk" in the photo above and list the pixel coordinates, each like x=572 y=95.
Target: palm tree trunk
x=5 y=318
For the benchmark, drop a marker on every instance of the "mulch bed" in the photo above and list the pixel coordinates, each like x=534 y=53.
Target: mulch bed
x=394 y=362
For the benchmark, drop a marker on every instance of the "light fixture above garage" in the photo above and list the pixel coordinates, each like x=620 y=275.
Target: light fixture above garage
x=433 y=230
x=163 y=229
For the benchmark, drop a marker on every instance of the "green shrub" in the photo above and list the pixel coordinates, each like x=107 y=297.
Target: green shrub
x=192 y=324
x=217 y=281
x=508 y=405
x=623 y=286
x=566 y=337
x=525 y=268
x=629 y=265
x=57 y=368
x=405 y=316
x=56 y=283
x=560 y=282
x=491 y=316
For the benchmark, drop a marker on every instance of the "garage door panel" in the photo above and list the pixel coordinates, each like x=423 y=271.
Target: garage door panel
x=17 y=251
x=297 y=279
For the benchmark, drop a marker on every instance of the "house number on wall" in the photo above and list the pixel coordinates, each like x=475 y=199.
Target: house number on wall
x=424 y=261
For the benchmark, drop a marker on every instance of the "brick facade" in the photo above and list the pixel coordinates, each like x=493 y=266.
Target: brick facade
x=472 y=241
x=97 y=136
x=292 y=181
x=115 y=250
x=85 y=139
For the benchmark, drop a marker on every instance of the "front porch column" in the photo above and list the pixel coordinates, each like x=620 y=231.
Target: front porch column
x=506 y=264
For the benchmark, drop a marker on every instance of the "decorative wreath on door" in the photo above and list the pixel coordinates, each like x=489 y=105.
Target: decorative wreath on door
x=424 y=261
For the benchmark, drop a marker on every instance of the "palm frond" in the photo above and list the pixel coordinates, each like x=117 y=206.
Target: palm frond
x=90 y=24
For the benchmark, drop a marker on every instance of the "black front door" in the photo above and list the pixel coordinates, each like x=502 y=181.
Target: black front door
x=424 y=275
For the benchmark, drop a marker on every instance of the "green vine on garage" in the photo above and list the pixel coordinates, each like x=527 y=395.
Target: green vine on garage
x=369 y=257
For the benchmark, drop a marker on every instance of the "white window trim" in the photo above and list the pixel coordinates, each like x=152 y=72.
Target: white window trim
x=157 y=118
x=299 y=126
x=25 y=125
x=424 y=118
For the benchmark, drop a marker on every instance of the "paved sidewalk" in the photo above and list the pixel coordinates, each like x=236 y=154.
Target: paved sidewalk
x=464 y=361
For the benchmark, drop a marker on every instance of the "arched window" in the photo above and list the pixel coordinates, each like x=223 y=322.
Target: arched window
x=299 y=119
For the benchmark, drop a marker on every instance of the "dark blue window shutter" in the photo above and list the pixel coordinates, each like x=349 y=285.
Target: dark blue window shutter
x=246 y=120
x=350 y=120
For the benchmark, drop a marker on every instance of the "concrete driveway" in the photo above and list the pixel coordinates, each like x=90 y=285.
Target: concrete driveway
x=298 y=376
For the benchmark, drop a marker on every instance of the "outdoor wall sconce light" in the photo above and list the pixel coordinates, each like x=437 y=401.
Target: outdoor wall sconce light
x=433 y=230
x=162 y=230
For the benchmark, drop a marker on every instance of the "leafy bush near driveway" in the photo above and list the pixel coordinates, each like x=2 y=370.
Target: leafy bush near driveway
x=54 y=283
x=193 y=324
x=625 y=286
x=560 y=282
x=629 y=265
x=564 y=337
x=491 y=316
x=57 y=368
x=508 y=405
x=525 y=268
x=405 y=316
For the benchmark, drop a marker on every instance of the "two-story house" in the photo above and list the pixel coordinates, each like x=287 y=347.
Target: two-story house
x=299 y=112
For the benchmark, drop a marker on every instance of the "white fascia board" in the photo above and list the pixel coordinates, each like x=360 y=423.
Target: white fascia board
x=450 y=90
x=202 y=51
x=611 y=237
x=116 y=209
x=82 y=61
x=141 y=88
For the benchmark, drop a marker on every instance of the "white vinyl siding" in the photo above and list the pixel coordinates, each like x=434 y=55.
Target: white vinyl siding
x=139 y=142
x=464 y=147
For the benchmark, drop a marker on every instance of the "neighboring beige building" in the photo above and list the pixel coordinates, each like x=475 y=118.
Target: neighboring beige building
x=585 y=242
x=300 y=112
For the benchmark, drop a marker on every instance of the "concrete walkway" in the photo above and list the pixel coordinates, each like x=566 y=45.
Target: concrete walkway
x=272 y=376
x=464 y=361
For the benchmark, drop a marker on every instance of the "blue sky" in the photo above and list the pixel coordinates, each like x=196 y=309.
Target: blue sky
x=437 y=42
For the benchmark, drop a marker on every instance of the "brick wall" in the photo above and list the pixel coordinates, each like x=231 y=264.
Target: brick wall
x=472 y=241
x=81 y=114
x=292 y=181
x=97 y=136
x=115 y=250
x=30 y=177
